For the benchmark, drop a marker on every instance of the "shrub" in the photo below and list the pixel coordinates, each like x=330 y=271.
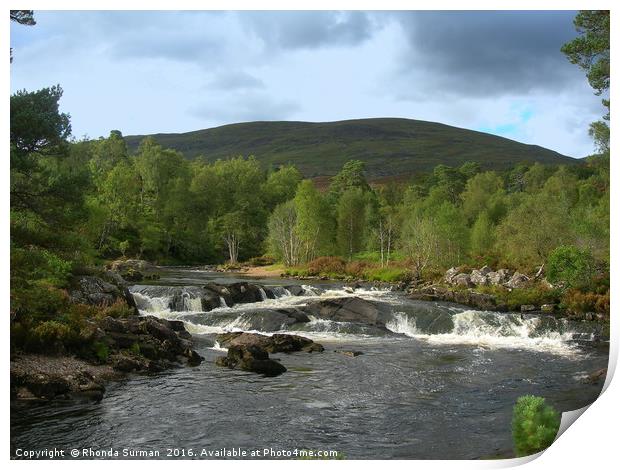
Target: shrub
x=570 y=265
x=135 y=349
x=534 y=425
x=326 y=265
x=52 y=337
x=576 y=301
x=357 y=268
x=260 y=261
x=296 y=272
x=38 y=302
x=119 y=309
x=101 y=351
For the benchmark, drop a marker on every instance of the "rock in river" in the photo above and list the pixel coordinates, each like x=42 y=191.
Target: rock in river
x=274 y=344
x=350 y=309
x=251 y=358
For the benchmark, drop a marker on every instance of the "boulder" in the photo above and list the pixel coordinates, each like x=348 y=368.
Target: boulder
x=499 y=277
x=251 y=358
x=485 y=270
x=548 y=308
x=348 y=353
x=93 y=290
x=295 y=290
x=596 y=377
x=120 y=265
x=272 y=320
x=134 y=269
x=276 y=343
x=517 y=281
x=463 y=280
x=528 y=308
x=153 y=338
x=349 y=309
x=128 y=363
x=450 y=273
x=479 y=278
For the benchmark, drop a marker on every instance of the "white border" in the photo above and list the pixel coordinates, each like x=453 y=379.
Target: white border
x=590 y=443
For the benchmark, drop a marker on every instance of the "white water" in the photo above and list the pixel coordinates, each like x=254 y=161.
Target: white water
x=507 y=331
x=482 y=329
x=263 y=294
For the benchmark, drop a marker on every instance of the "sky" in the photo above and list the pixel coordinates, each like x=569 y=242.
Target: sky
x=144 y=72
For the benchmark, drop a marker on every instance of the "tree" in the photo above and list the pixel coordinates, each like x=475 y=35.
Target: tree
x=570 y=265
x=315 y=226
x=590 y=51
x=351 y=212
x=283 y=233
x=482 y=235
x=449 y=182
x=420 y=241
x=42 y=181
x=281 y=185
x=480 y=191
x=352 y=175
x=24 y=17
x=534 y=425
x=533 y=228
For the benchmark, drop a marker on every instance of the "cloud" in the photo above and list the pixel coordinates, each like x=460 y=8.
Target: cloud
x=235 y=80
x=487 y=53
x=243 y=107
x=309 y=29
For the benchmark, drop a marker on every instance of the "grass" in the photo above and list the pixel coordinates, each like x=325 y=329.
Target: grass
x=536 y=295
x=390 y=147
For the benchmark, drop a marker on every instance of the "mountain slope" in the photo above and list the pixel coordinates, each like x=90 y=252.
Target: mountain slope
x=389 y=146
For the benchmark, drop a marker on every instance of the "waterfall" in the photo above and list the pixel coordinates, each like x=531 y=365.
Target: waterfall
x=223 y=303
x=263 y=294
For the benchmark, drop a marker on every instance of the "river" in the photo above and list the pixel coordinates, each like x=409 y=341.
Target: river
x=439 y=383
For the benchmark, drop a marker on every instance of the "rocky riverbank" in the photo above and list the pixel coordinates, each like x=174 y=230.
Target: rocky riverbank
x=128 y=345
x=106 y=340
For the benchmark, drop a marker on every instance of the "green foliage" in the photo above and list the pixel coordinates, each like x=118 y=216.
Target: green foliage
x=281 y=185
x=101 y=350
x=118 y=309
x=351 y=221
x=135 y=349
x=482 y=235
x=590 y=51
x=570 y=265
x=387 y=274
x=534 y=425
x=52 y=337
x=536 y=295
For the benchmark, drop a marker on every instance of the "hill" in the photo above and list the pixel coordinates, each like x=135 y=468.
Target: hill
x=389 y=146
